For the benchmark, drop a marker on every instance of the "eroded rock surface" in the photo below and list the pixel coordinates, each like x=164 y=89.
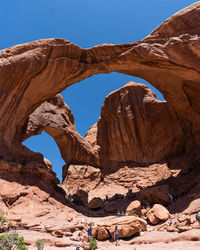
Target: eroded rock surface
x=56 y=119
x=127 y=227
x=157 y=194
x=95 y=203
x=134 y=127
x=168 y=59
x=35 y=72
x=81 y=176
x=134 y=208
x=157 y=213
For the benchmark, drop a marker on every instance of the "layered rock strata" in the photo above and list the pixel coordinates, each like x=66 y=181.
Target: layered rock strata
x=32 y=73
x=135 y=127
x=168 y=58
x=56 y=119
x=81 y=176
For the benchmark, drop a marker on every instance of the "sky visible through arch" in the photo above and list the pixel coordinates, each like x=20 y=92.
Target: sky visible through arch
x=85 y=23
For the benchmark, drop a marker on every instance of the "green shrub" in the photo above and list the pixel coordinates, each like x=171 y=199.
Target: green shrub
x=39 y=244
x=21 y=244
x=2 y=219
x=12 y=241
x=9 y=225
x=93 y=244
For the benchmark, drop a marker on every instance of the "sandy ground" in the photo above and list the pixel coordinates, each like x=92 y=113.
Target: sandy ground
x=190 y=245
x=156 y=237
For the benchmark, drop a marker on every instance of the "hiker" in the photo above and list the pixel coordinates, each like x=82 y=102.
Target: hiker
x=106 y=197
x=169 y=222
x=198 y=218
x=118 y=213
x=126 y=197
x=69 y=197
x=116 y=235
x=171 y=197
x=148 y=206
x=77 y=247
x=116 y=196
x=89 y=233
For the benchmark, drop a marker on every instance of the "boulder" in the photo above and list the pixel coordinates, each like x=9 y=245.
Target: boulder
x=95 y=203
x=127 y=227
x=184 y=219
x=157 y=213
x=102 y=233
x=134 y=208
x=152 y=218
x=160 y=212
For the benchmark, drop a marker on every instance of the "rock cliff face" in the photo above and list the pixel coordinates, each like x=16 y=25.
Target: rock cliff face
x=165 y=133
x=134 y=127
x=78 y=176
x=168 y=59
x=56 y=119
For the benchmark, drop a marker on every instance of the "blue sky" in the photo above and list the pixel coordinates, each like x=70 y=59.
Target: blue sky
x=86 y=23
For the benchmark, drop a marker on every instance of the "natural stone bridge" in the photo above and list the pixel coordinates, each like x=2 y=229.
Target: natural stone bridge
x=168 y=58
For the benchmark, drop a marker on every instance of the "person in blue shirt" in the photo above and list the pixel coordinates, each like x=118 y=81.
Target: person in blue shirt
x=198 y=218
x=169 y=222
x=89 y=233
x=116 y=235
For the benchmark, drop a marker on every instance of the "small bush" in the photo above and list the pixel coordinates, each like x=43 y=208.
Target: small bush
x=39 y=244
x=2 y=219
x=21 y=244
x=93 y=244
x=9 y=225
x=12 y=241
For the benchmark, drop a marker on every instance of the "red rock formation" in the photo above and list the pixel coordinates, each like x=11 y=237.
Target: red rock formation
x=78 y=176
x=56 y=119
x=157 y=213
x=168 y=59
x=134 y=127
x=134 y=208
x=91 y=138
x=127 y=227
x=34 y=72
x=134 y=177
x=33 y=173
x=157 y=194
x=95 y=203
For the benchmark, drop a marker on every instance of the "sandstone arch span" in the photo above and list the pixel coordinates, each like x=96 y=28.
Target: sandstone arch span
x=168 y=59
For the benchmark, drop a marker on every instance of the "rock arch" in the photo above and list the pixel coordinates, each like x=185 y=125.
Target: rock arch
x=168 y=59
